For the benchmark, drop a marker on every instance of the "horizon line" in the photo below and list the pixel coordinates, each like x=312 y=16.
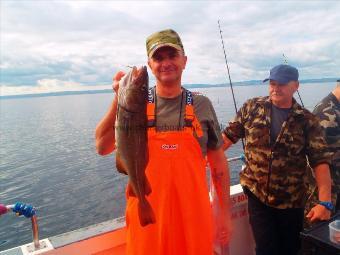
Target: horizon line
x=189 y=85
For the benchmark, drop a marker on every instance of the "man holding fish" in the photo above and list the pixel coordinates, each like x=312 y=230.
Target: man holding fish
x=163 y=138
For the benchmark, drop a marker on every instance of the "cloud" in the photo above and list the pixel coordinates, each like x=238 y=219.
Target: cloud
x=86 y=42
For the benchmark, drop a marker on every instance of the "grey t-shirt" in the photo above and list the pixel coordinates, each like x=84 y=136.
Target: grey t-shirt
x=278 y=116
x=170 y=117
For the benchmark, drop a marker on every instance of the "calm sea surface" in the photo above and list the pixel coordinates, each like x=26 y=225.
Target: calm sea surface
x=48 y=159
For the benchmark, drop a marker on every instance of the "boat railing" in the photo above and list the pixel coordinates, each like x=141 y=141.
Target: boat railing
x=29 y=212
x=241 y=157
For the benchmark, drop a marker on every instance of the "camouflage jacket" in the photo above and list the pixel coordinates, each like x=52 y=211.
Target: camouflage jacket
x=328 y=111
x=275 y=174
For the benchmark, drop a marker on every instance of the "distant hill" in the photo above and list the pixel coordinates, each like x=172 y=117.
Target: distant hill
x=240 y=83
x=255 y=82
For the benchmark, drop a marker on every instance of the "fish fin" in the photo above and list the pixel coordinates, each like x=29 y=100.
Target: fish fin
x=120 y=164
x=130 y=191
x=147 y=187
x=145 y=212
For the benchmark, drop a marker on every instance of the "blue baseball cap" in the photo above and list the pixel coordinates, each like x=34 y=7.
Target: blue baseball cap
x=283 y=74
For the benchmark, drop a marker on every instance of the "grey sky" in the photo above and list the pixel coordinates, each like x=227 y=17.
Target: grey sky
x=72 y=45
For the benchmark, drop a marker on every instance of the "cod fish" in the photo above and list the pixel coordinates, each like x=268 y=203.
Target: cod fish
x=131 y=138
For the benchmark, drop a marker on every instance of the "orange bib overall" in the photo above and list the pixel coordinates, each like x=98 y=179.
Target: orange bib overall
x=179 y=198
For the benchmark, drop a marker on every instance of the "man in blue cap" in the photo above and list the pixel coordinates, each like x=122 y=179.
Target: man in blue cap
x=282 y=140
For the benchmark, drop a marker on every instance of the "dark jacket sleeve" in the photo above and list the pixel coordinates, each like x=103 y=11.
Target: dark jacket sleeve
x=316 y=146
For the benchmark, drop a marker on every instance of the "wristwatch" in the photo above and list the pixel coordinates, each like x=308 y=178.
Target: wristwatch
x=328 y=205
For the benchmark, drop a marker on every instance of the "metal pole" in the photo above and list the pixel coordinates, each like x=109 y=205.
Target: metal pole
x=29 y=212
x=35 y=231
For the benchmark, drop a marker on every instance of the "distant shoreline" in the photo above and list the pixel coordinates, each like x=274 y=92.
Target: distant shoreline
x=241 y=83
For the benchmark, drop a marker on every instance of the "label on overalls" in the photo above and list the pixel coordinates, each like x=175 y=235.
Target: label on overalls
x=169 y=146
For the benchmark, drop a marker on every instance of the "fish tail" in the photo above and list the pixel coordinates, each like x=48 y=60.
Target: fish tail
x=145 y=212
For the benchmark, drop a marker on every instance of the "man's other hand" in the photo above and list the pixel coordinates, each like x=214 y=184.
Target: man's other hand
x=317 y=213
x=117 y=77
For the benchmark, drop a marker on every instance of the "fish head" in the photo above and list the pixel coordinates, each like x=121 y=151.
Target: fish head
x=133 y=89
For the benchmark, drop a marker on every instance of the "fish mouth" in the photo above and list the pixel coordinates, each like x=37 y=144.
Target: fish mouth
x=140 y=76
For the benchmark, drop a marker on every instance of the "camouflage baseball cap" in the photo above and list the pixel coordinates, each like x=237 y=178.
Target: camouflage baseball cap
x=163 y=38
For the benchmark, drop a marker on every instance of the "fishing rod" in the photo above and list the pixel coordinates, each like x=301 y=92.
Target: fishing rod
x=300 y=97
x=224 y=249
x=285 y=61
x=231 y=84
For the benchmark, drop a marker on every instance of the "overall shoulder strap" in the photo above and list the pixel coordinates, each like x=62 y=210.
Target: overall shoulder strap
x=150 y=108
x=190 y=120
